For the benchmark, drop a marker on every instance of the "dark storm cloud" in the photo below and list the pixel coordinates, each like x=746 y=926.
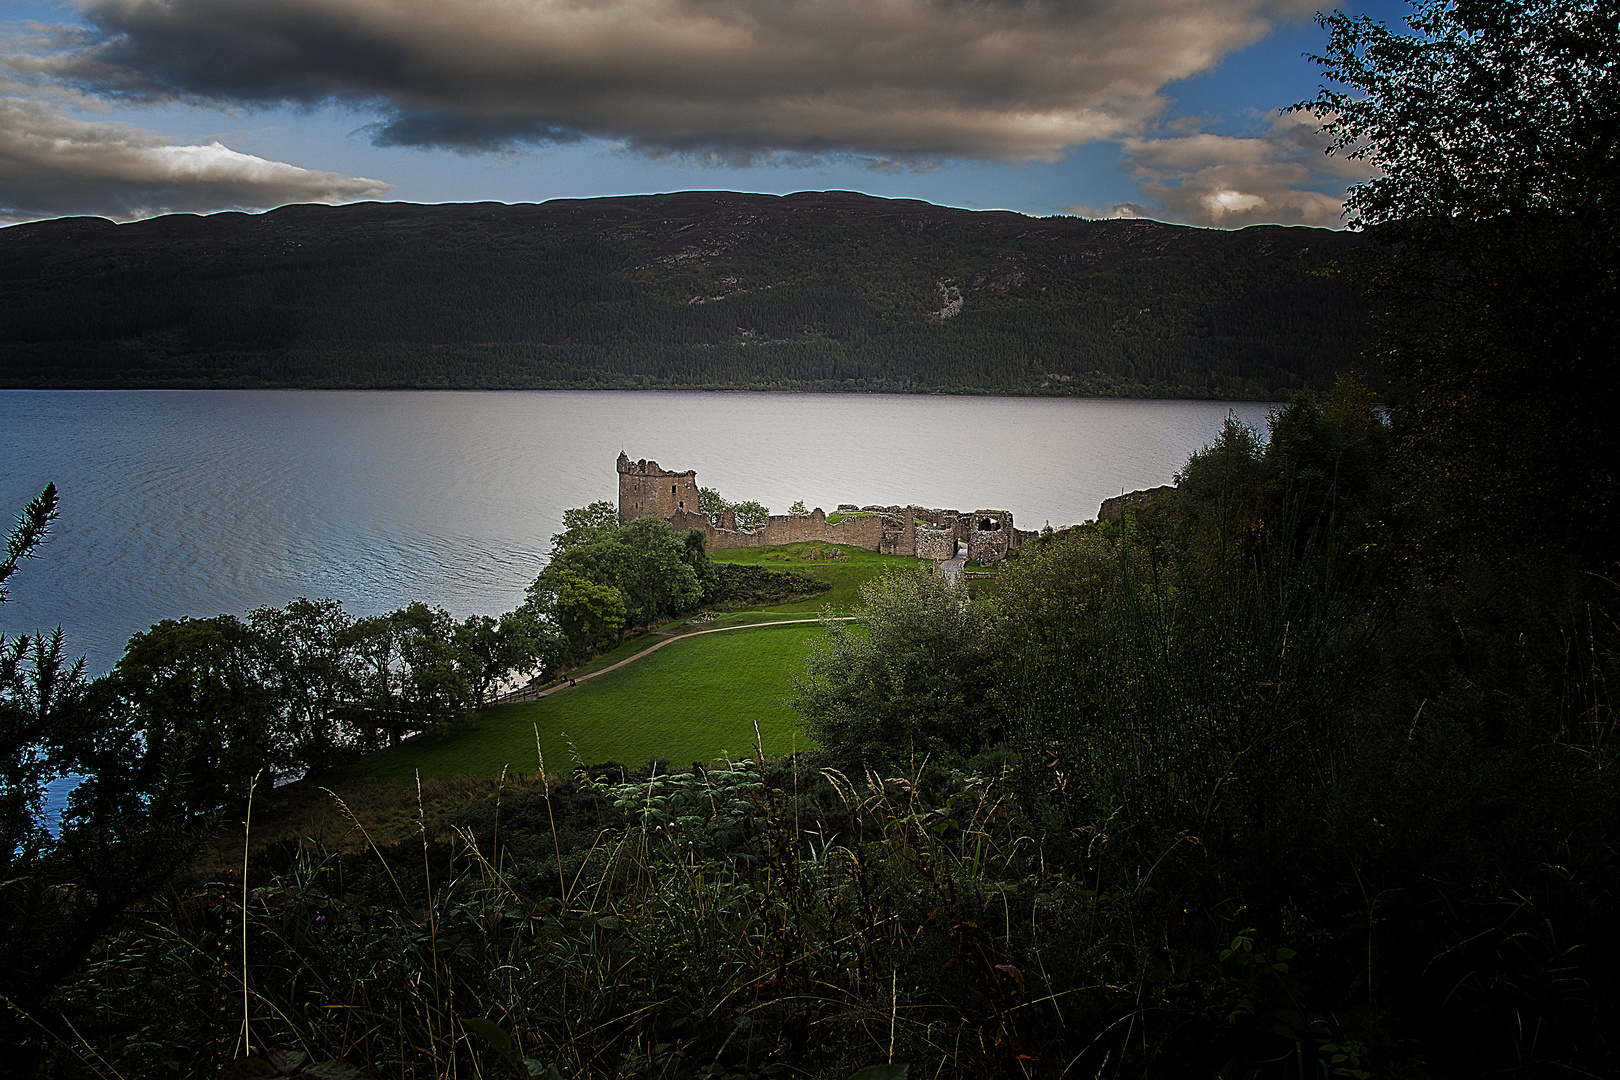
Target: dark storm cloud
x=725 y=80
x=52 y=164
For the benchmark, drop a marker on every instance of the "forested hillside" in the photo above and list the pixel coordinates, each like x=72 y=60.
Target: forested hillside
x=820 y=291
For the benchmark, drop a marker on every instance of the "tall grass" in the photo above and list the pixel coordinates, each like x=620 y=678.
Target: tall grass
x=714 y=923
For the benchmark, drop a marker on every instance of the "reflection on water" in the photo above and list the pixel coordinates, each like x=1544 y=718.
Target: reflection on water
x=200 y=502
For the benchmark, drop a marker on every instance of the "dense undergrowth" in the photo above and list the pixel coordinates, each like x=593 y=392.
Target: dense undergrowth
x=1233 y=889
x=1269 y=797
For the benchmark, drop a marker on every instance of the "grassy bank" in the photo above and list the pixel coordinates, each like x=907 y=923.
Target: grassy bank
x=693 y=700
x=845 y=571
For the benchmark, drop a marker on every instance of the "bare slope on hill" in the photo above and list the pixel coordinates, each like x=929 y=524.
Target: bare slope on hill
x=816 y=290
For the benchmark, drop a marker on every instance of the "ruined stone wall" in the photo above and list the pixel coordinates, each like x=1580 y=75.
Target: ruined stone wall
x=645 y=490
x=934 y=543
x=1147 y=499
x=686 y=519
x=873 y=532
x=949 y=521
x=899 y=534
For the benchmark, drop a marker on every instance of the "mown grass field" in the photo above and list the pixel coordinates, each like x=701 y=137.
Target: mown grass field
x=846 y=573
x=692 y=700
x=695 y=699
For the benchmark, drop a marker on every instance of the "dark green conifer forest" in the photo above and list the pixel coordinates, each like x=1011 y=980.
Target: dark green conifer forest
x=815 y=291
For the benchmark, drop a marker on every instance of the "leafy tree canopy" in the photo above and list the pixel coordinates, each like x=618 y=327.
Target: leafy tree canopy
x=920 y=677
x=586 y=524
x=751 y=514
x=1488 y=107
x=604 y=577
x=747 y=514
x=1495 y=124
x=712 y=503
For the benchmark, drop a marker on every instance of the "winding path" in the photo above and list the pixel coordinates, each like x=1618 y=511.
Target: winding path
x=536 y=695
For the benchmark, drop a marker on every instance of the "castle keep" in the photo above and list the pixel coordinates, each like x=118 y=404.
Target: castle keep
x=645 y=490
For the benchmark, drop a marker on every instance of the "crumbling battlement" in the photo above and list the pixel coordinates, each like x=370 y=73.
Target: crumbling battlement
x=886 y=534
x=1138 y=501
x=645 y=490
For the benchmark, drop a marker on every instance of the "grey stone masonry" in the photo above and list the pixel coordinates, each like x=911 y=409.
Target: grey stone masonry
x=936 y=544
x=645 y=490
x=990 y=535
x=1114 y=509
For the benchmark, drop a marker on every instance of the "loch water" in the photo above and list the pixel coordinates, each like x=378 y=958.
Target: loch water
x=194 y=503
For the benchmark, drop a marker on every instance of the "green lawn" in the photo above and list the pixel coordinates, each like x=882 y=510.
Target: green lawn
x=846 y=574
x=693 y=700
x=690 y=701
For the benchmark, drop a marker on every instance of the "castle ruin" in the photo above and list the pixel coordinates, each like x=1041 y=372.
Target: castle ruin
x=645 y=490
x=642 y=491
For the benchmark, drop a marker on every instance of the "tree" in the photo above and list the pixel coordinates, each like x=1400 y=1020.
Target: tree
x=374 y=715
x=28 y=533
x=35 y=682
x=1497 y=262
x=134 y=819
x=191 y=689
x=1222 y=490
x=435 y=686
x=586 y=524
x=747 y=515
x=662 y=581
x=1491 y=107
x=516 y=644
x=798 y=508
x=712 y=503
x=312 y=673
x=919 y=678
x=750 y=514
x=603 y=578
x=589 y=614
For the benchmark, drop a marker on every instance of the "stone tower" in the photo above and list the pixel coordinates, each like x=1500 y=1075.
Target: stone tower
x=645 y=490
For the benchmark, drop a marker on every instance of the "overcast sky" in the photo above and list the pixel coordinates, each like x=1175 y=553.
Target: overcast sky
x=1161 y=108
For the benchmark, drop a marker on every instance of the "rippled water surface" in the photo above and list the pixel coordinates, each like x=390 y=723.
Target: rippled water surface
x=200 y=502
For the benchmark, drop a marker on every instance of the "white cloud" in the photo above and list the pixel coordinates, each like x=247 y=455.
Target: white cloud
x=52 y=164
x=1230 y=181
x=1118 y=210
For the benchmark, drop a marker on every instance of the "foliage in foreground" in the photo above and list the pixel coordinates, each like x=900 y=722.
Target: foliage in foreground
x=1274 y=799
x=917 y=676
x=728 y=923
